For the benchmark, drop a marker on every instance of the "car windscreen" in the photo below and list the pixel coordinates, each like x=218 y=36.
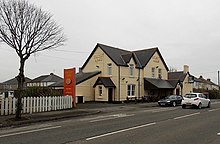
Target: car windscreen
x=171 y=97
x=190 y=95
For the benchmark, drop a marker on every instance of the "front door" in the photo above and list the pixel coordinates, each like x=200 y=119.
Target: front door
x=110 y=94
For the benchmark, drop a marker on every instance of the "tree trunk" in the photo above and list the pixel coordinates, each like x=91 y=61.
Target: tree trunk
x=21 y=80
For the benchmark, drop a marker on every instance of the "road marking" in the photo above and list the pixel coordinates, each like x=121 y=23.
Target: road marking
x=112 y=117
x=120 y=131
x=214 y=109
x=30 y=131
x=163 y=109
x=186 y=115
x=159 y=110
x=106 y=117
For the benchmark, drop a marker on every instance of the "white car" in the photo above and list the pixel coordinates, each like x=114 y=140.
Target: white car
x=196 y=99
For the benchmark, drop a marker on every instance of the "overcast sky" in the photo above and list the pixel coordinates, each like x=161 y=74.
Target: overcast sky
x=185 y=31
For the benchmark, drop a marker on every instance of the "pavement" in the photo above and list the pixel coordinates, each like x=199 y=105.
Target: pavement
x=90 y=108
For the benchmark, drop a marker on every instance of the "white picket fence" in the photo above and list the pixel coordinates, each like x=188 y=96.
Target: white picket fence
x=36 y=104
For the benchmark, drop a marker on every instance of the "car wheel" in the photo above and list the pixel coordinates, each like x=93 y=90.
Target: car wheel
x=174 y=104
x=209 y=105
x=183 y=106
x=199 y=106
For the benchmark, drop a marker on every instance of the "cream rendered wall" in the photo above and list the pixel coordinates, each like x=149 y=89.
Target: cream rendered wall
x=157 y=63
x=99 y=61
x=187 y=87
x=126 y=80
x=86 y=89
x=104 y=96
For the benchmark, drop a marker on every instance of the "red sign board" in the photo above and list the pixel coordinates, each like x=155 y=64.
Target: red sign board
x=70 y=84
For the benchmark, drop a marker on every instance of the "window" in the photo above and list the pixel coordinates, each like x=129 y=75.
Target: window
x=153 y=72
x=131 y=69
x=109 y=69
x=160 y=73
x=100 y=90
x=131 y=90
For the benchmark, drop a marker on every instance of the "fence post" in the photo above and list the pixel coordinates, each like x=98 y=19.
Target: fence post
x=60 y=107
x=28 y=104
x=6 y=106
x=25 y=104
x=49 y=103
x=34 y=105
x=31 y=105
x=2 y=106
x=46 y=104
x=40 y=104
x=14 y=105
x=10 y=105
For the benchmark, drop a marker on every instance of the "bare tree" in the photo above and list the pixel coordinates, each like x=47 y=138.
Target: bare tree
x=27 y=29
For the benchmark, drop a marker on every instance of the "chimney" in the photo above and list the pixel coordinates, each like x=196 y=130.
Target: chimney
x=185 y=68
x=80 y=69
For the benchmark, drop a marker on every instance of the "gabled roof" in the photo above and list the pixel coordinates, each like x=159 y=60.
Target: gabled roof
x=14 y=81
x=81 y=76
x=173 y=82
x=145 y=55
x=47 y=78
x=202 y=80
x=121 y=57
x=158 y=83
x=106 y=81
x=180 y=75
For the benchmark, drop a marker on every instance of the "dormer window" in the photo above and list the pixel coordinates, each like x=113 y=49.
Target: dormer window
x=131 y=69
x=109 y=67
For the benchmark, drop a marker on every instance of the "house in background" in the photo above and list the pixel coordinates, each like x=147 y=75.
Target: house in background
x=120 y=74
x=204 y=84
x=44 y=80
x=182 y=81
x=12 y=84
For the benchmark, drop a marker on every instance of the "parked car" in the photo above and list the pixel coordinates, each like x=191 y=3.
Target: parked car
x=198 y=100
x=171 y=100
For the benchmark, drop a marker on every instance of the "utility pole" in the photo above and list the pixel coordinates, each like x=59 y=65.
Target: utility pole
x=218 y=85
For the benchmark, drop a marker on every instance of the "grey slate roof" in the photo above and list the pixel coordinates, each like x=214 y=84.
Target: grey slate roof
x=121 y=57
x=180 y=75
x=14 y=81
x=173 y=82
x=47 y=78
x=158 y=83
x=145 y=55
x=81 y=76
x=106 y=81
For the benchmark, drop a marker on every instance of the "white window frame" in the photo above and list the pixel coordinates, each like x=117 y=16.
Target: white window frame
x=100 y=91
x=131 y=90
x=109 y=67
x=131 y=70
x=153 y=72
x=160 y=73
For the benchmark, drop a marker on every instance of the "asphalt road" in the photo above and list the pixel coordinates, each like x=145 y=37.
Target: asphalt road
x=155 y=125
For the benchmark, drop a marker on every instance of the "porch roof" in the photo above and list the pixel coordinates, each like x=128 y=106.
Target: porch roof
x=154 y=83
x=106 y=81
